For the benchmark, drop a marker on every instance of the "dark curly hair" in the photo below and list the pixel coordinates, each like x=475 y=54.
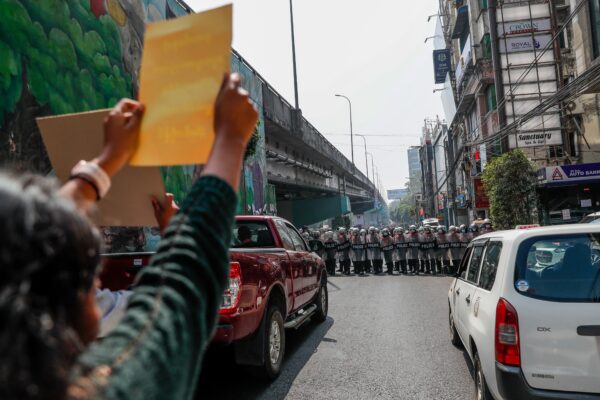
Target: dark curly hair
x=49 y=255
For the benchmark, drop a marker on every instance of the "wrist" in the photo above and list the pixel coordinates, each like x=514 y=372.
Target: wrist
x=110 y=163
x=231 y=142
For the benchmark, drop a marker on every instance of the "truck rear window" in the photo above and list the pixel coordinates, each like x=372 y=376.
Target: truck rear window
x=252 y=234
x=562 y=268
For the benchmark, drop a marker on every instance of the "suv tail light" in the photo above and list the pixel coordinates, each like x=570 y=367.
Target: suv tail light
x=507 y=334
x=231 y=296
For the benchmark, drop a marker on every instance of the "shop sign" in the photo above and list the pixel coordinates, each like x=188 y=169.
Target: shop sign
x=532 y=139
x=481 y=198
x=441 y=64
x=569 y=173
x=521 y=27
x=460 y=200
x=524 y=43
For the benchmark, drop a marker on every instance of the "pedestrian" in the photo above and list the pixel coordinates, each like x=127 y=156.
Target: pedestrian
x=50 y=257
x=465 y=239
x=486 y=226
x=316 y=244
x=413 y=249
x=387 y=247
x=343 y=251
x=330 y=252
x=443 y=250
x=357 y=255
x=374 y=252
x=401 y=245
x=427 y=250
x=455 y=242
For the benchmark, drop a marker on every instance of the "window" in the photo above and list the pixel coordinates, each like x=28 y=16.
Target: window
x=560 y=268
x=285 y=237
x=464 y=263
x=299 y=244
x=490 y=265
x=474 y=264
x=490 y=98
x=486 y=45
x=252 y=234
x=595 y=23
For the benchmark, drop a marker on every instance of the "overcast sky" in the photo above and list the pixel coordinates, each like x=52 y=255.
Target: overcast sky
x=371 y=51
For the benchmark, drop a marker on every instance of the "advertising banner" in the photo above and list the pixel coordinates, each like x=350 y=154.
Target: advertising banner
x=397 y=194
x=524 y=43
x=481 y=198
x=441 y=64
x=527 y=26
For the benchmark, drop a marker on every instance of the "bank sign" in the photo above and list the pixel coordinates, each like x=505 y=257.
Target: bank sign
x=441 y=64
x=565 y=174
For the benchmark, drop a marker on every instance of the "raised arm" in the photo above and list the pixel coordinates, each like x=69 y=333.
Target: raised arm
x=156 y=352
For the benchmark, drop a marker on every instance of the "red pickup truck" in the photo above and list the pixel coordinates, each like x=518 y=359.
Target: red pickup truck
x=275 y=283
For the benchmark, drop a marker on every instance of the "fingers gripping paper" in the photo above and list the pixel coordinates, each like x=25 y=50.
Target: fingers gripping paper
x=74 y=137
x=182 y=69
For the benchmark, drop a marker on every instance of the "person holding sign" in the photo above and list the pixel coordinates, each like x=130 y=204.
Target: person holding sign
x=50 y=263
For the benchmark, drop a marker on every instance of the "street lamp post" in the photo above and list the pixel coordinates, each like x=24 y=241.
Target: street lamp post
x=294 y=55
x=366 y=160
x=351 y=132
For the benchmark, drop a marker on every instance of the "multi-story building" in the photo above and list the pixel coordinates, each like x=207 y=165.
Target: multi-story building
x=521 y=77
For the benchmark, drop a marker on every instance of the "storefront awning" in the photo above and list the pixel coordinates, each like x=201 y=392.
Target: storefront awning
x=569 y=174
x=462 y=22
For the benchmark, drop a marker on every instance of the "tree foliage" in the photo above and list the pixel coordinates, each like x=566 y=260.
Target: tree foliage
x=509 y=181
x=403 y=211
x=70 y=59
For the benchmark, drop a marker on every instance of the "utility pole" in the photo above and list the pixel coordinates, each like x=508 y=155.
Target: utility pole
x=351 y=132
x=366 y=160
x=294 y=55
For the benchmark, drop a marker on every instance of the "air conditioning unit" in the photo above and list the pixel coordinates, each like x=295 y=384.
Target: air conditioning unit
x=575 y=107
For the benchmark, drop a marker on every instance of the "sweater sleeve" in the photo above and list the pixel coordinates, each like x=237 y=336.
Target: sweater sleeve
x=156 y=351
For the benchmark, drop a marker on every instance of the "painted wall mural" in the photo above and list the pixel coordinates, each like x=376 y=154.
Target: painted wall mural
x=64 y=56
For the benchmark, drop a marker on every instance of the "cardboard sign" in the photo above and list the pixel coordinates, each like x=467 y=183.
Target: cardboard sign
x=183 y=64
x=74 y=137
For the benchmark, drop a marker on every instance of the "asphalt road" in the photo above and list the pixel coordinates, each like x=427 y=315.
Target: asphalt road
x=385 y=338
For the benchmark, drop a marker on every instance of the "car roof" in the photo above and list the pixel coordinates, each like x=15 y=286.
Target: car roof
x=522 y=234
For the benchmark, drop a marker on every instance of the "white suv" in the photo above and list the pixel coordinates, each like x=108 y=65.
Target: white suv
x=526 y=306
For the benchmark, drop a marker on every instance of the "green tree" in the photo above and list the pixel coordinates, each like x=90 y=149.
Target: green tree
x=56 y=57
x=403 y=211
x=509 y=181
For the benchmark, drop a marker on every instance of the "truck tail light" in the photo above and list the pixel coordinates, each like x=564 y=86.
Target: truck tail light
x=507 y=334
x=231 y=296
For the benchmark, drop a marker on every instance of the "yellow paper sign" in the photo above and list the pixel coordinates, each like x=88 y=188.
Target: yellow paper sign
x=183 y=65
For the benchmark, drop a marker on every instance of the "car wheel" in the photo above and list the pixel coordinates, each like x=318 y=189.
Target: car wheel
x=481 y=388
x=274 y=344
x=454 y=338
x=322 y=302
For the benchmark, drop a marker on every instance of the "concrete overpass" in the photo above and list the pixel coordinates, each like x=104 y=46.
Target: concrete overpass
x=313 y=180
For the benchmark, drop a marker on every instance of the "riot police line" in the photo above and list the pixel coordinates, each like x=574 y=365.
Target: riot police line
x=423 y=250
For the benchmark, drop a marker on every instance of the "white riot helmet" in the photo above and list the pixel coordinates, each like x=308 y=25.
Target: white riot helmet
x=412 y=228
x=441 y=229
x=385 y=232
x=372 y=229
x=342 y=231
x=397 y=231
x=427 y=228
x=363 y=232
x=328 y=235
x=452 y=229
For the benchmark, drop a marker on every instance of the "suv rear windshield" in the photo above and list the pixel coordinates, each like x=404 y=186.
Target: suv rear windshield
x=252 y=234
x=560 y=268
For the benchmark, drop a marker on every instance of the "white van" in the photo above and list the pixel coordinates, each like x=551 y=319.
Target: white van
x=526 y=306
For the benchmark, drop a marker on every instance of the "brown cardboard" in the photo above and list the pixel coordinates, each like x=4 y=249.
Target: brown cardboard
x=74 y=137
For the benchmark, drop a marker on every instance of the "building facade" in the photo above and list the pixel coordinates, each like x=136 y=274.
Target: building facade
x=523 y=75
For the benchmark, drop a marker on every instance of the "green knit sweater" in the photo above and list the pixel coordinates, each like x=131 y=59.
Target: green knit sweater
x=156 y=351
